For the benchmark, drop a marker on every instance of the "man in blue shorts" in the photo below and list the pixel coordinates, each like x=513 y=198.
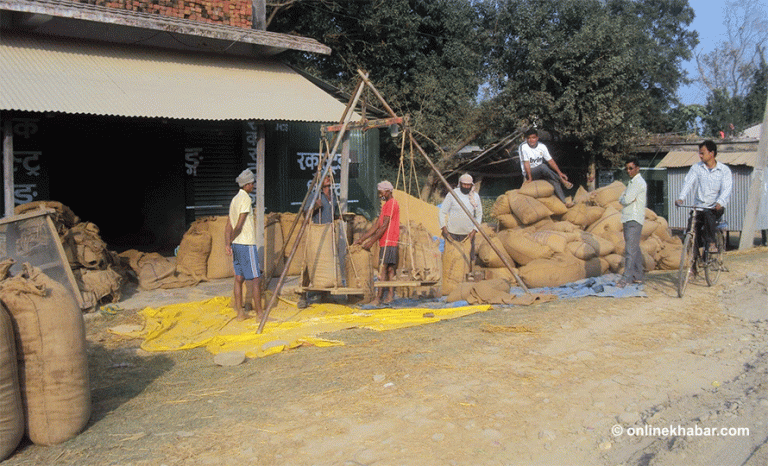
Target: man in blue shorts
x=240 y=238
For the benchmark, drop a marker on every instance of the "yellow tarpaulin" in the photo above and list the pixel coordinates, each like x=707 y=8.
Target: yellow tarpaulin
x=212 y=324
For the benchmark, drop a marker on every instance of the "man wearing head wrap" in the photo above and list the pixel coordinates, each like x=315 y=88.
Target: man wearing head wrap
x=240 y=240
x=326 y=207
x=455 y=223
x=387 y=231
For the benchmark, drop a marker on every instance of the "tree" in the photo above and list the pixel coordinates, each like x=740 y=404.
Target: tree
x=735 y=68
x=424 y=56
x=595 y=71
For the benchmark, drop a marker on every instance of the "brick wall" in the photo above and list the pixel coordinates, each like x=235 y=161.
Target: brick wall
x=230 y=12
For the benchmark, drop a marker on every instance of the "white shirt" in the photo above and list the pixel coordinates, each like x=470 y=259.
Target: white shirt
x=453 y=216
x=633 y=200
x=241 y=203
x=713 y=186
x=533 y=155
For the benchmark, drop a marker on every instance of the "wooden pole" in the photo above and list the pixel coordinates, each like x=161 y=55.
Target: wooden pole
x=8 y=165
x=757 y=187
x=348 y=112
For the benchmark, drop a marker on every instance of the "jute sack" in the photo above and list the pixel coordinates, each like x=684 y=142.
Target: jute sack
x=53 y=360
x=194 y=249
x=527 y=209
x=558 y=270
x=522 y=248
x=83 y=246
x=607 y=194
x=554 y=204
x=320 y=258
x=488 y=256
x=564 y=226
x=649 y=226
x=582 y=250
x=359 y=268
x=615 y=262
x=456 y=264
x=424 y=258
x=617 y=239
x=650 y=215
x=501 y=206
x=610 y=221
x=581 y=196
x=662 y=229
x=595 y=213
x=649 y=262
x=508 y=221
x=155 y=271
x=615 y=204
x=273 y=243
x=543 y=224
x=99 y=286
x=537 y=189
x=11 y=411
x=669 y=257
x=577 y=215
x=555 y=240
x=286 y=221
x=63 y=217
x=602 y=246
x=219 y=262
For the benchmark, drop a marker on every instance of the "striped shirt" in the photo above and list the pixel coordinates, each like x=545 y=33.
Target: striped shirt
x=713 y=186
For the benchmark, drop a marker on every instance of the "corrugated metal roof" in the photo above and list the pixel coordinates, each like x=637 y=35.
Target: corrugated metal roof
x=688 y=158
x=76 y=77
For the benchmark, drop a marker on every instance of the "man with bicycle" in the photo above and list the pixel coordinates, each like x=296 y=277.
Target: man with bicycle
x=713 y=189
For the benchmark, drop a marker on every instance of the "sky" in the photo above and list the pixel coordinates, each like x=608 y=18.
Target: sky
x=709 y=24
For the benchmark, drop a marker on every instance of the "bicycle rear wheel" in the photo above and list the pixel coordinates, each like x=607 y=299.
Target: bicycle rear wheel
x=714 y=260
x=685 y=271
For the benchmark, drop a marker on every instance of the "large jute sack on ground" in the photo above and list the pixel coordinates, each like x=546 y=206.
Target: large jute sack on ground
x=156 y=271
x=662 y=229
x=649 y=263
x=595 y=213
x=607 y=194
x=582 y=250
x=274 y=260
x=564 y=226
x=558 y=270
x=83 y=246
x=286 y=221
x=651 y=246
x=669 y=257
x=194 y=249
x=358 y=226
x=53 y=360
x=456 y=264
x=219 y=262
x=537 y=189
x=320 y=256
x=527 y=209
x=11 y=411
x=522 y=248
x=359 y=269
x=501 y=272
x=617 y=239
x=554 y=204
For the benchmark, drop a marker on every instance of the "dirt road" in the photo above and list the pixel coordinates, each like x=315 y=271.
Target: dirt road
x=583 y=381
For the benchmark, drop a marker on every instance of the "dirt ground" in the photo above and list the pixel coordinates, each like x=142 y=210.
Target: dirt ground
x=579 y=381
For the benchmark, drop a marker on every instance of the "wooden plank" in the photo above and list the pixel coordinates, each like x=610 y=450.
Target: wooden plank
x=402 y=283
x=336 y=291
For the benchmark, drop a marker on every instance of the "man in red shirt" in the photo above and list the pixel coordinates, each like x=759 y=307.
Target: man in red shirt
x=387 y=232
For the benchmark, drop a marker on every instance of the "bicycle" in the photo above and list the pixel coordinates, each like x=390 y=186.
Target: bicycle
x=695 y=255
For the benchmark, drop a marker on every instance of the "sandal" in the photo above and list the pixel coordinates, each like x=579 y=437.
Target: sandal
x=621 y=283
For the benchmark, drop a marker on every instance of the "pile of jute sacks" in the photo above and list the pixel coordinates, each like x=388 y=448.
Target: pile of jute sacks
x=44 y=380
x=552 y=244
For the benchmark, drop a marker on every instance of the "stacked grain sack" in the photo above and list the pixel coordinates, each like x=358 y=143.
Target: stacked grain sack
x=553 y=244
x=98 y=272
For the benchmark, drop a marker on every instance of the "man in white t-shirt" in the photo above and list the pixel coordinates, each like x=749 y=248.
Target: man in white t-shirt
x=240 y=240
x=533 y=156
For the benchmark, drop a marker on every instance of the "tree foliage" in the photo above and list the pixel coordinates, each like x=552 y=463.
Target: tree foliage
x=597 y=71
x=424 y=56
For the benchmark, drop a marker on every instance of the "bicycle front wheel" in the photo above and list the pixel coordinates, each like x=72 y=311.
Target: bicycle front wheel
x=685 y=271
x=714 y=262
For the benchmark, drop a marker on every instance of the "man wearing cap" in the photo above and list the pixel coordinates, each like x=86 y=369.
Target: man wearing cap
x=387 y=231
x=455 y=223
x=240 y=240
